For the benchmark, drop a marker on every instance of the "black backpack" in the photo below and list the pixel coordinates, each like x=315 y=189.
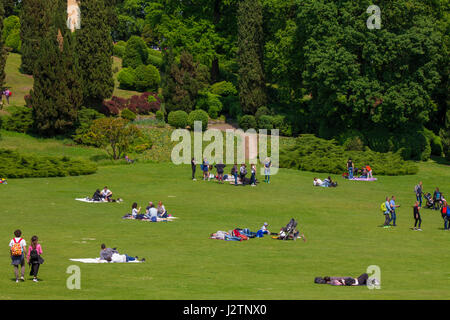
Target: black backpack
x=34 y=256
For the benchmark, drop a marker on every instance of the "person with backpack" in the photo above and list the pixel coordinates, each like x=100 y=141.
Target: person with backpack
x=34 y=258
x=18 y=247
x=417 y=218
x=437 y=199
x=386 y=209
x=220 y=166
x=418 y=189
x=205 y=169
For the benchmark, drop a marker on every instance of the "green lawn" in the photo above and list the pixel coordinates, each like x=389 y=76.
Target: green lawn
x=21 y=84
x=341 y=225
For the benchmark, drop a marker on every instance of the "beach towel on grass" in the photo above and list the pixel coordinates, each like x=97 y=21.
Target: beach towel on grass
x=364 y=179
x=98 y=260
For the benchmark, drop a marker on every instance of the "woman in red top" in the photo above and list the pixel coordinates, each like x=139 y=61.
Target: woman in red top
x=369 y=172
x=34 y=257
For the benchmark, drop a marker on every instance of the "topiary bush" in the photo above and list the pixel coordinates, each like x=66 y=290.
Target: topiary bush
x=127 y=78
x=154 y=60
x=223 y=89
x=128 y=114
x=119 y=50
x=247 y=122
x=262 y=111
x=178 y=119
x=265 y=122
x=136 y=53
x=13 y=41
x=310 y=153
x=198 y=115
x=147 y=78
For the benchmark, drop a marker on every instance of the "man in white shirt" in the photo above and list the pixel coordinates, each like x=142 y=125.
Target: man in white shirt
x=106 y=194
x=317 y=182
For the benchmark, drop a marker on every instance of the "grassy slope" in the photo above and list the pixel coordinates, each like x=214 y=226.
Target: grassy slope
x=21 y=84
x=342 y=227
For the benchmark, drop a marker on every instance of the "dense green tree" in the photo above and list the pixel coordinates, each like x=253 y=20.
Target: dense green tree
x=252 y=91
x=94 y=48
x=184 y=82
x=57 y=93
x=34 y=23
x=3 y=53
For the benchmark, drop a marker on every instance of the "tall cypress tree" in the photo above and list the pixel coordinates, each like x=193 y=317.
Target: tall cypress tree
x=57 y=93
x=94 y=48
x=35 y=18
x=252 y=93
x=3 y=53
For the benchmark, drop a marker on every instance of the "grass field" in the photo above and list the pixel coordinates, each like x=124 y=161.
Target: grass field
x=21 y=84
x=342 y=226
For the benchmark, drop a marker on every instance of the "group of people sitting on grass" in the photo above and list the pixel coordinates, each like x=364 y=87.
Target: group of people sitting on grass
x=238 y=174
x=363 y=172
x=152 y=213
x=328 y=182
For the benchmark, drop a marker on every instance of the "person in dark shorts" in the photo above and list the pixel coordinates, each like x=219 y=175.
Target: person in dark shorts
x=417 y=216
x=18 y=247
x=194 y=167
x=350 y=168
x=220 y=166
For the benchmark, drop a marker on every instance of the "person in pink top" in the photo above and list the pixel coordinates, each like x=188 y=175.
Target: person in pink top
x=34 y=258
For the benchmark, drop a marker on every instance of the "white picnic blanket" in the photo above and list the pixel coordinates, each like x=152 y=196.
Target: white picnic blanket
x=89 y=200
x=98 y=260
x=168 y=219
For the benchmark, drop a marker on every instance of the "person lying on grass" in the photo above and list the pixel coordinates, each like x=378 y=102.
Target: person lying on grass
x=284 y=236
x=112 y=255
x=344 y=281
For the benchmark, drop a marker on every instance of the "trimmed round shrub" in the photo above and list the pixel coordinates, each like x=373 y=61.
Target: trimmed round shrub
x=262 y=111
x=178 y=119
x=119 y=50
x=128 y=114
x=13 y=41
x=10 y=24
x=198 y=115
x=147 y=78
x=136 y=53
x=160 y=116
x=223 y=89
x=127 y=78
x=247 y=122
x=154 y=60
x=265 y=122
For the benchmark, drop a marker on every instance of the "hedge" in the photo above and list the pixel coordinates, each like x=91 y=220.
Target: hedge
x=313 y=154
x=16 y=165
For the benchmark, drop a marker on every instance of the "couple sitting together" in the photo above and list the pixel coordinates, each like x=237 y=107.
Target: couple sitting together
x=105 y=195
x=325 y=183
x=151 y=213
